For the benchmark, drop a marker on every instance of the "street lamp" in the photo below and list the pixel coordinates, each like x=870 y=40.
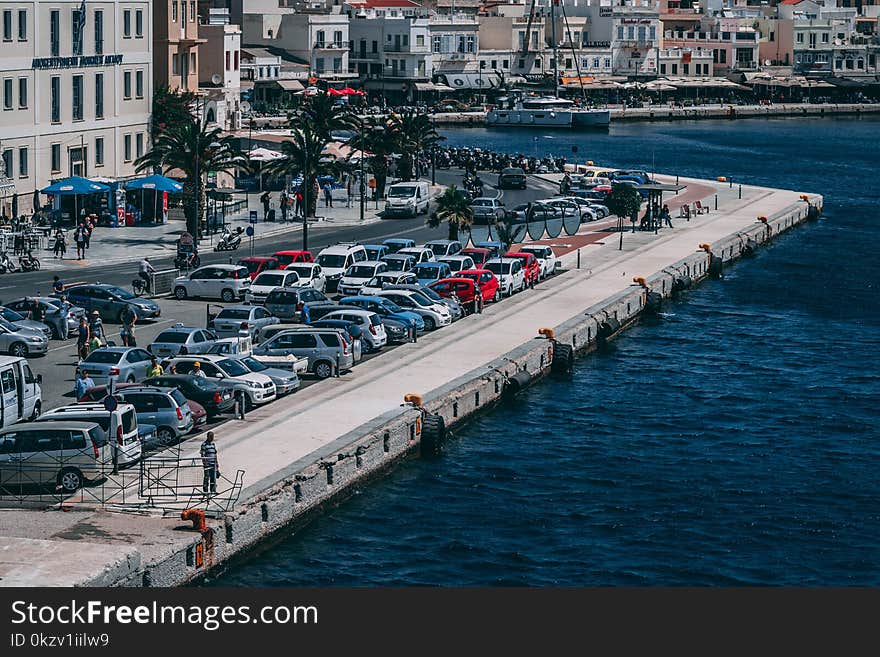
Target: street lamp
x=433 y=152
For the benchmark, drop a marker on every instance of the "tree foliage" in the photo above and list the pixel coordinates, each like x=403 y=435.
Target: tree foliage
x=624 y=201
x=454 y=209
x=170 y=108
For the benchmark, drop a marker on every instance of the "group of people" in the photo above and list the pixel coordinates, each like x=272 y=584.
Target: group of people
x=82 y=237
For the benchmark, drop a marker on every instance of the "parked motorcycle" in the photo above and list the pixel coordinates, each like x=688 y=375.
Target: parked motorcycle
x=6 y=264
x=229 y=241
x=28 y=262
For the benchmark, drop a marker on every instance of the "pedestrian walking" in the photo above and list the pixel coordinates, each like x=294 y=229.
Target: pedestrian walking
x=126 y=331
x=79 y=237
x=265 y=199
x=96 y=328
x=87 y=232
x=298 y=197
x=82 y=339
x=60 y=247
x=349 y=188
x=328 y=195
x=63 y=313
x=82 y=384
x=210 y=464
x=284 y=199
x=664 y=214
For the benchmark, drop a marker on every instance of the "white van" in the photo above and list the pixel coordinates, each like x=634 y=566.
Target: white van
x=21 y=397
x=120 y=425
x=407 y=199
x=334 y=260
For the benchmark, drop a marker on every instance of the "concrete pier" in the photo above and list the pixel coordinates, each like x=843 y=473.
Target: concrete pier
x=316 y=446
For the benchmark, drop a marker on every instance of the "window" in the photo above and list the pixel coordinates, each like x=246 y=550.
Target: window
x=77 y=97
x=192 y=11
x=471 y=43
x=7 y=161
x=375 y=46
x=139 y=23
x=175 y=65
x=607 y=62
x=686 y=69
x=228 y=60
x=799 y=38
x=23 y=162
x=139 y=143
x=521 y=63
x=55 y=32
x=319 y=38
x=652 y=32
x=337 y=38
x=126 y=85
x=337 y=64
x=319 y=65
x=420 y=39
x=22 y=93
x=595 y=62
x=76 y=32
x=22 y=25
x=662 y=69
x=825 y=36
x=674 y=69
x=620 y=32
x=139 y=84
x=99 y=95
x=174 y=11
x=56 y=157
x=505 y=63
x=99 y=151
x=7 y=25
x=126 y=23
x=99 y=32
x=7 y=94
x=631 y=32
x=126 y=150
x=192 y=62
x=55 y=99
x=235 y=59
x=838 y=63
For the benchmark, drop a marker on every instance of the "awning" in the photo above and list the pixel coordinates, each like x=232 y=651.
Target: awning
x=74 y=185
x=430 y=86
x=290 y=85
x=155 y=182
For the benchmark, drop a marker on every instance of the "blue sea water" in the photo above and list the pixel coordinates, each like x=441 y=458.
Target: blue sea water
x=733 y=441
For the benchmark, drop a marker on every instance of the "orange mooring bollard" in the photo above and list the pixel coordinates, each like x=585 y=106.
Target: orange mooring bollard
x=197 y=516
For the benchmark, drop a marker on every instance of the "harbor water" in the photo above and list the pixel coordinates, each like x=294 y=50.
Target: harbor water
x=733 y=441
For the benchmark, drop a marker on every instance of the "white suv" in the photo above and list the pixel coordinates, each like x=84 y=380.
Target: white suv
x=374 y=335
x=334 y=260
x=510 y=274
x=434 y=314
x=545 y=257
x=226 y=282
x=259 y=388
x=358 y=275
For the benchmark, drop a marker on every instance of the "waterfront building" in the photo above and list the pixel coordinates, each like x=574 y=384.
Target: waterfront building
x=77 y=91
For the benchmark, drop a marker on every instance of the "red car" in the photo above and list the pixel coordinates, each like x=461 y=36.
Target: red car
x=464 y=288
x=289 y=257
x=479 y=255
x=485 y=279
x=97 y=393
x=531 y=266
x=257 y=265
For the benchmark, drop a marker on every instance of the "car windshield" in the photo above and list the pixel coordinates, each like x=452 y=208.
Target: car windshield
x=360 y=271
x=9 y=327
x=332 y=261
x=200 y=382
x=421 y=299
x=396 y=264
x=119 y=292
x=272 y=280
x=303 y=271
x=174 y=337
x=430 y=273
x=103 y=357
x=253 y=364
x=278 y=296
x=482 y=202
x=232 y=367
x=178 y=397
x=284 y=259
x=498 y=267
x=10 y=315
x=401 y=192
x=234 y=313
x=392 y=307
x=438 y=249
x=431 y=294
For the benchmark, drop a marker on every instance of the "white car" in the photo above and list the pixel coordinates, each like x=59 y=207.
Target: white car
x=419 y=253
x=601 y=211
x=510 y=274
x=334 y=260
x=570 y=208
x=226 y=282
x=379 y=281
x=545 y=257
x=310 y=275
x=434 y=314
x=268 y=281
x=458 y=263
x=259 y=388
x=358 y=275
x=373 y=335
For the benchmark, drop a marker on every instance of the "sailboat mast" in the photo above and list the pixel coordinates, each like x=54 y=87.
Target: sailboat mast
x=555 y=53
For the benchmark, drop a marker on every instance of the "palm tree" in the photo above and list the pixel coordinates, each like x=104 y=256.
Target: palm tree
x=508 y=233
x=414 y=133
x=193 y=150
x=170 y=107
x=323 y=115
x=454 y=208
x=375 y=137
x=303 y=157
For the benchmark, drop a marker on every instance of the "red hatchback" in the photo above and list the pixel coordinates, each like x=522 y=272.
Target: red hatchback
x=485 y=279
x=531 y=266
x=479 y=255
x=257 y=265
x=289 y=257
x=463 y=288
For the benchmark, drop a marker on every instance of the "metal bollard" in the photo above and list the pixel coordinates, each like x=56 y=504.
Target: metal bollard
x=240 y=404
x=336 y=373
x=579 y=259
x=740 y=191
x=716 y=201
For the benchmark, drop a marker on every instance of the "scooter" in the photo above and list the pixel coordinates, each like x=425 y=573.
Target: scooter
x=28 y=262
x=6 y=264
x=229 y=241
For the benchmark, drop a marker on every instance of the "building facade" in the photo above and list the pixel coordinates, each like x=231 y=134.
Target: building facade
x=77 y=91
x=176 y=44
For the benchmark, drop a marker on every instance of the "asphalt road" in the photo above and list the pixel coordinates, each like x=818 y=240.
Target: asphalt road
x=57 y=367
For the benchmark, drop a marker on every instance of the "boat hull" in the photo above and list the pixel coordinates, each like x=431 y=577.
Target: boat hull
x=591 y=118
x=530 y=118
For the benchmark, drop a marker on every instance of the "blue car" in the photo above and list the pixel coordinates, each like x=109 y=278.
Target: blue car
x=431 y=272
x=109 y=301
x=376 y=251
x=385 y=308
x=395 y=244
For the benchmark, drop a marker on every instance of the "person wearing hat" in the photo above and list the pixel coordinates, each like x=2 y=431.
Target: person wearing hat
x=96 y=326
x=197 y=370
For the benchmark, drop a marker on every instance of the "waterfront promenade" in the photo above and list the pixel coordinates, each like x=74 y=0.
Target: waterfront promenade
x=294 y=453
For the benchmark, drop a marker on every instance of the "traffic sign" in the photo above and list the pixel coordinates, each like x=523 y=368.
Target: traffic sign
x=253 y=216
x=110 y=403
x=249 y=231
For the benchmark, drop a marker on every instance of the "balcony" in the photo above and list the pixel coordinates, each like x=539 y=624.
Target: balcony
x=416 y=50
x=329 y=45
x=635 y=43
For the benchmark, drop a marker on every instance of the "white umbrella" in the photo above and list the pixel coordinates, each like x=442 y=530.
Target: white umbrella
x=264 y=155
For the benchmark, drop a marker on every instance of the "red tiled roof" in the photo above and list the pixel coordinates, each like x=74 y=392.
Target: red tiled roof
x=791 y=2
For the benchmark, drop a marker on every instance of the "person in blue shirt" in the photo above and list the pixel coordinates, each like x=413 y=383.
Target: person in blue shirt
x=83 y=383
x=57 y=285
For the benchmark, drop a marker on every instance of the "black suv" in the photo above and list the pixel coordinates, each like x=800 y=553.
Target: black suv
x=512 y=178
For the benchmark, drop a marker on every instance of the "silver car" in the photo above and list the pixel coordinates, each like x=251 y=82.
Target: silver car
x=234 y=319
x=165 y=408
x=124 y=364
x=182 y=339
x=54 y=315
x=22 y=322
x=326 y=349
x=285 y=380
x=21 y=342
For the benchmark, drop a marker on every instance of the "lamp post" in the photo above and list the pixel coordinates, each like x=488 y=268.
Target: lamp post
x=362 y=183
x=433 y=153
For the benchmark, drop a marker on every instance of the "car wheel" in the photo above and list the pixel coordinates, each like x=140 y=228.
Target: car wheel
x=38 y=409
x=430 y=324
x=70 y=480
x=19 y=350
x=130 y=379
x=227 y=295
x=323 y=370
x=497 y=296
x=165 y=436
x=180 y=293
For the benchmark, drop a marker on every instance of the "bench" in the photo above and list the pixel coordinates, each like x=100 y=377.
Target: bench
x=699 y=208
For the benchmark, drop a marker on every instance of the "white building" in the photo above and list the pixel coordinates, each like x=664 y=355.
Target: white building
x=220 y=74
x=73 y=102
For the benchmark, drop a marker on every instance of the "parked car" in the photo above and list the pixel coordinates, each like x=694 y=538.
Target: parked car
x=540 y=212
x=428 y=272
x=234 y=320
x=64 y=454
x=310 y=275
x=286 y=381
x=458 y=262
x=464 y=289
x=442 y=247
x=287 y=258
x=454 y=307
x=294 y=303
x=486 y=281
x=399 y=262
x=215 y=398
x=326 y=349
x=419 y=253
x=530 y=264
x=510 y=275
x=226 y=282
x=52 y=309
x=22 y=322
x=379 y=281
x=388 y=311
x=376 y=251
x=358 y=275
x=374 y=335
x=239 y=345
x=128 y=364
x=256 y=265
x=544 y=254
x=180 y=339
x=512 y=178
x=334 y=260
x=22 y=342
x=355 y=333
x=165 y=408
x=478 y=255
x=268 y=281
x=407 y=199
x=395 y=244
x=435 y=315
x=570 y=208
x=488 y=210
x=119 y=425
x=258 y=388
x=598 y=210
x=98 y=393
x=110 y=301
x=494 y=247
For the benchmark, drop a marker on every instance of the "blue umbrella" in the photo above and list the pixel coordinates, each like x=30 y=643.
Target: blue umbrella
x=155 y=182
x=74 y=185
